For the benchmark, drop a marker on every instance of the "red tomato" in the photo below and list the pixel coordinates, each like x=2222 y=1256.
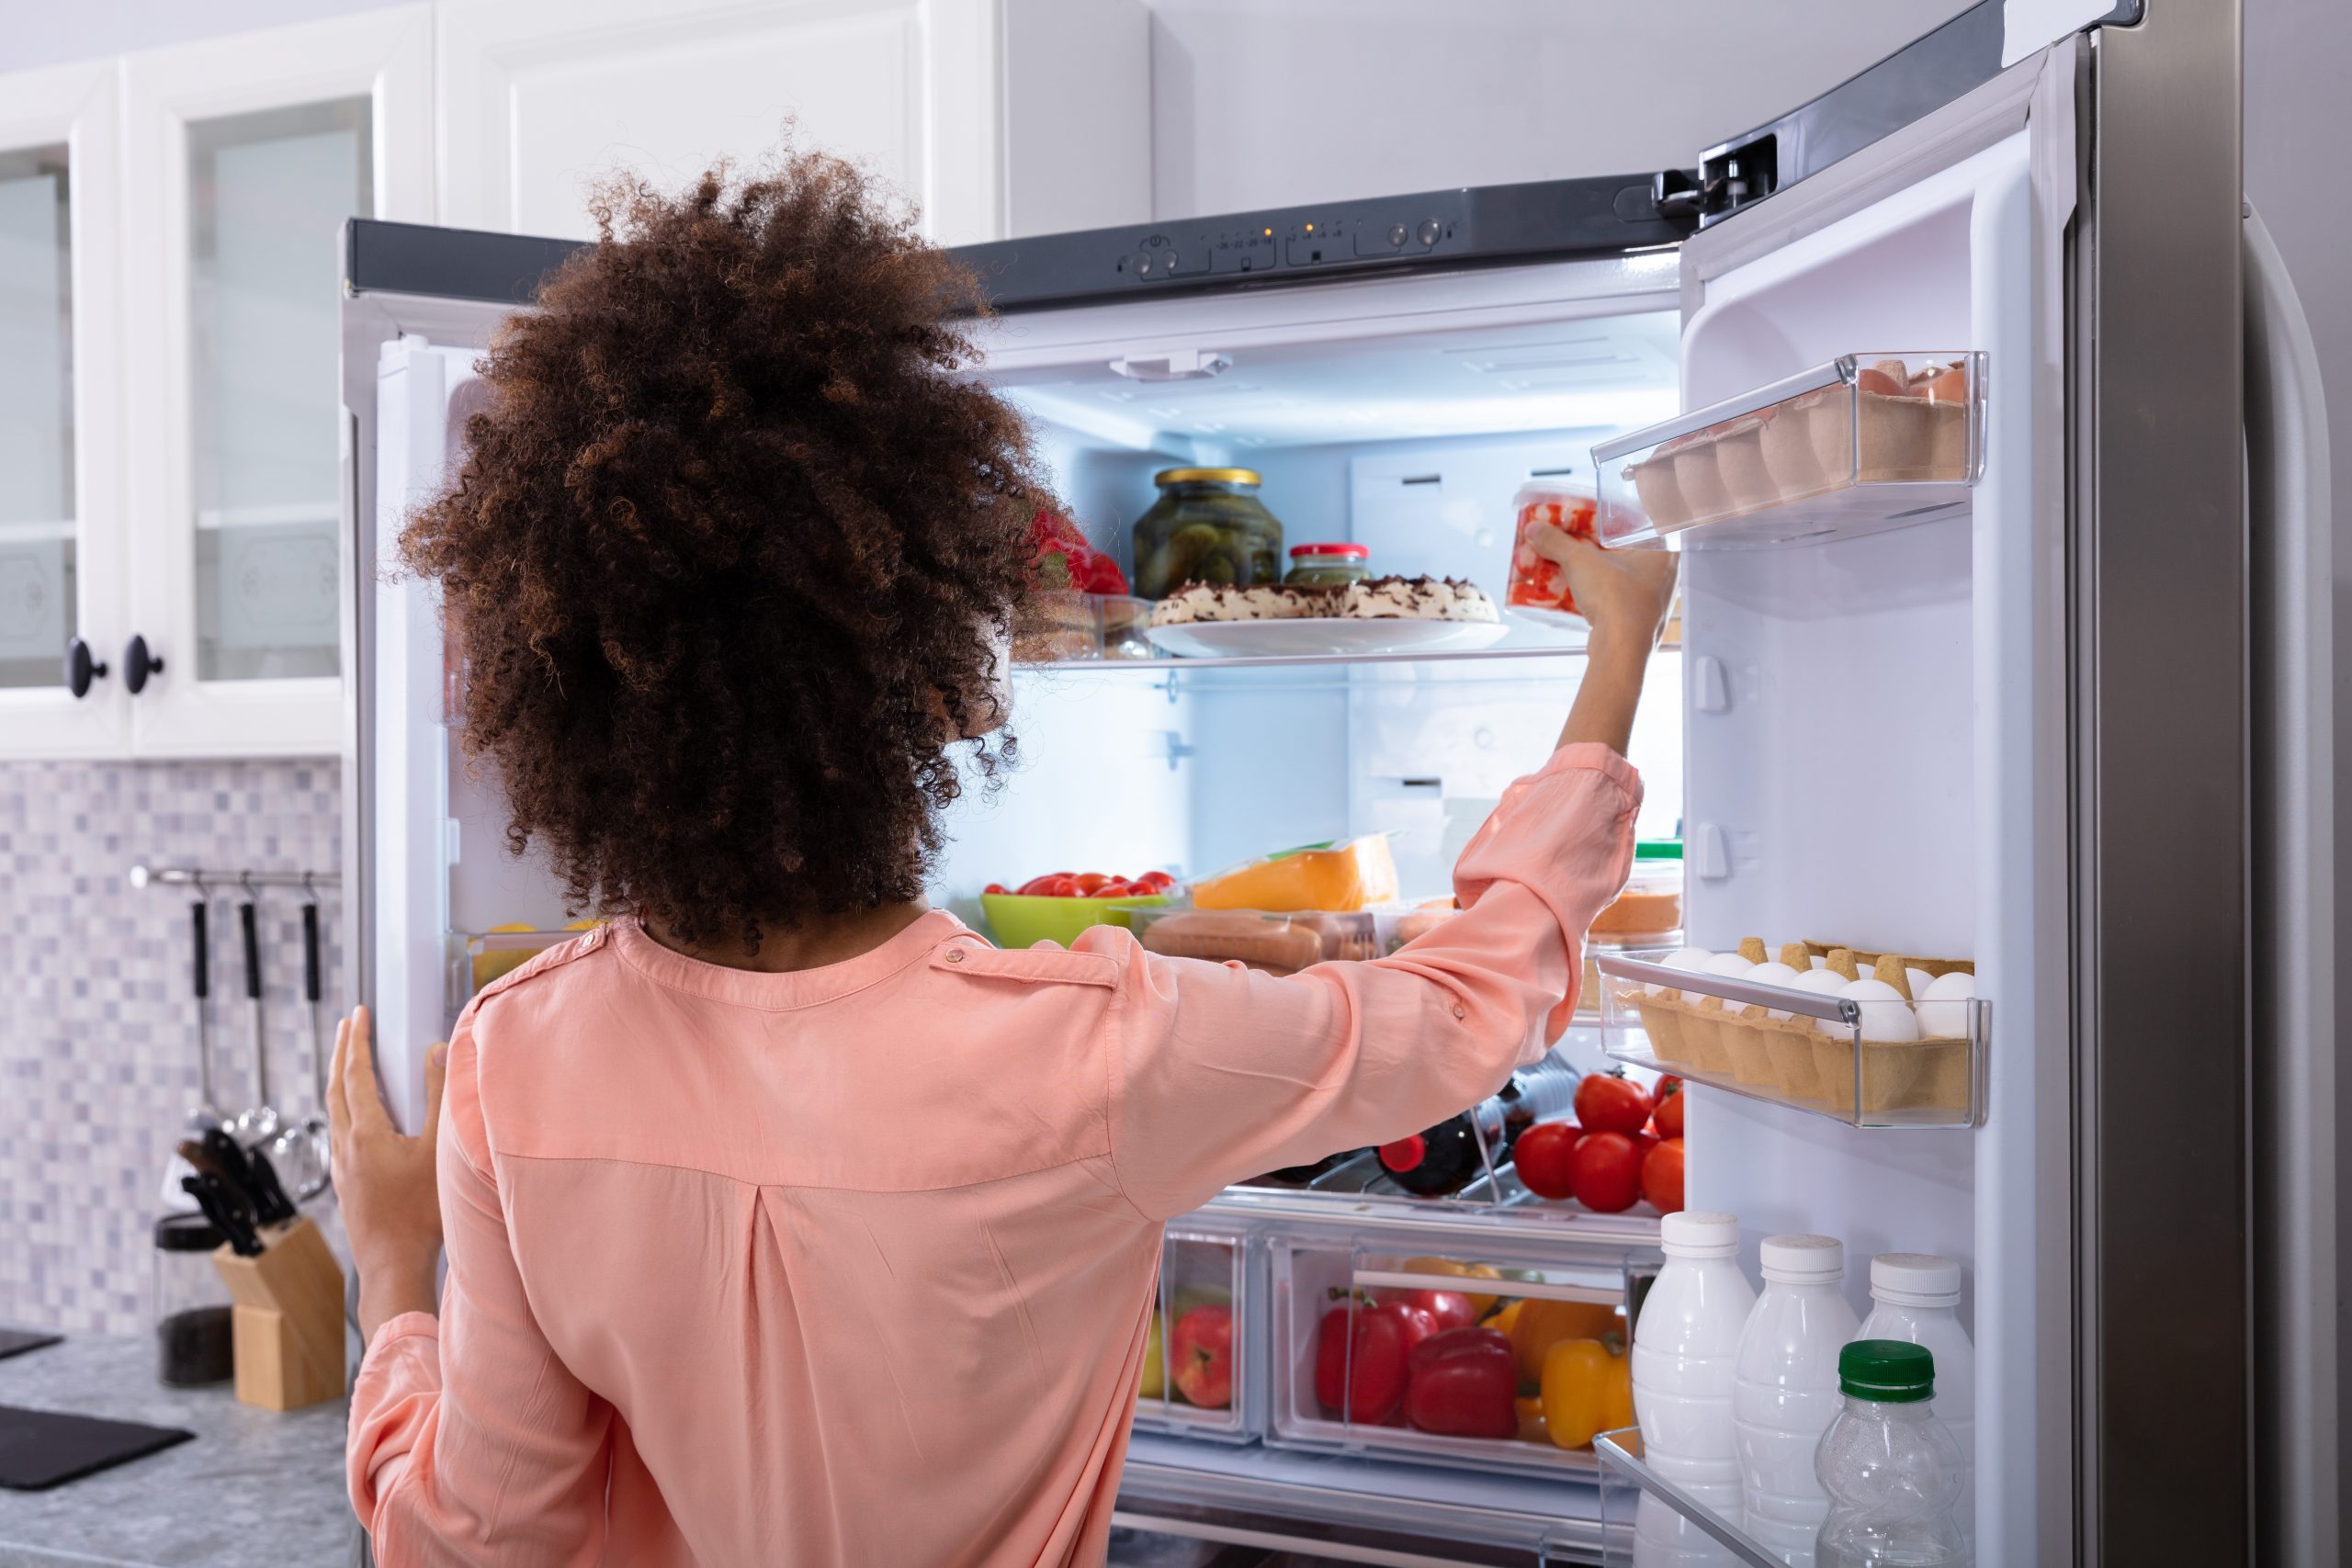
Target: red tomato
x=1446 y=1309
x=1611 y=1102
x=1668 y=1116
x=1606 y=1172
x=1543 y=1154
x=1662 y=1176
x=1035 y=887
x=1667 y=1084
x=995 y=887
x=1463 y=1382
x=1061 y=884
x=1155 y=882
x=1088 y=881
x=1645 y=1141
x=1117 y=887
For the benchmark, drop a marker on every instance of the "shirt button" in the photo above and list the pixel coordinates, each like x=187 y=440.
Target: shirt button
x=955 y=955
x=1459 y=1011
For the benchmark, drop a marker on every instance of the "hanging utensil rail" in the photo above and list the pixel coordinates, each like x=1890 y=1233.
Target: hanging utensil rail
x=144 y=875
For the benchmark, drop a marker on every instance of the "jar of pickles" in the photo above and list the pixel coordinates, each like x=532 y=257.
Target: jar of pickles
x=1208 y=525
x=1328 y=566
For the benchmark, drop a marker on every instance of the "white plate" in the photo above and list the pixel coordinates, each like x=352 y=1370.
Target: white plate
x=1321 y=635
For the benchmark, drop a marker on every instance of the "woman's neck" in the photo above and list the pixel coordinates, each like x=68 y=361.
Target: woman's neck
x=814 y=943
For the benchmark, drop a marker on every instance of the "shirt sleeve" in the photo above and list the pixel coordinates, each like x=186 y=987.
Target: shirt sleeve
x=1219 y=1072
x=470 y=1440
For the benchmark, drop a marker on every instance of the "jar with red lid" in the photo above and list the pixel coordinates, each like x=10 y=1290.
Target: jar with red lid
x=1539 y=587
x=1331 y=565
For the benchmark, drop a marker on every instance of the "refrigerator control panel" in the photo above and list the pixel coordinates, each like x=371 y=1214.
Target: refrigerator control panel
x=1451 y=228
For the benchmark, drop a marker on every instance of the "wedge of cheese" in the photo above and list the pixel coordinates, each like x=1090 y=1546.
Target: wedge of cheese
x=1346 y=877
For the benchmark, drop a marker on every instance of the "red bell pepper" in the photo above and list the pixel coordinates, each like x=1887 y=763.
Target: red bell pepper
x=1463 y=1384
x=1359 y=1371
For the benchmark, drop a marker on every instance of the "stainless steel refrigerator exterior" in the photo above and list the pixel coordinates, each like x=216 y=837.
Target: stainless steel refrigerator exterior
x=2177 y=1333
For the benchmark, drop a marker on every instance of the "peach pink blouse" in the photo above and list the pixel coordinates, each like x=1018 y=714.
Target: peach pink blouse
x=855 y=1264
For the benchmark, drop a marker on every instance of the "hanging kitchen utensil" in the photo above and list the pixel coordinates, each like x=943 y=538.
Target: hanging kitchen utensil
x=300 y=1150
x=206 y=1114
x=258 y=1121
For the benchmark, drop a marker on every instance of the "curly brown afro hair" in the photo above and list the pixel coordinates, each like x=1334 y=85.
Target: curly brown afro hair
x=733 y=554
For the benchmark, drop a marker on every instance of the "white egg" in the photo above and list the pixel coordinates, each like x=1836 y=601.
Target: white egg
x=1691 y=958
x=1886 y=1015
x=1918 y=980
x=1772 y=974
x=1820 y=960
x=1725 y=964
x=1826 y=983
x=1943 y=1006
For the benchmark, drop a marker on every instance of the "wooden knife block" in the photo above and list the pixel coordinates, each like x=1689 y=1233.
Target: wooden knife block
x=287 y=1327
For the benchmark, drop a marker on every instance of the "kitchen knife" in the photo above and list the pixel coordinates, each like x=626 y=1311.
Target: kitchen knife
x=227 y=1214
x=244 y=1179
x=271 y=1205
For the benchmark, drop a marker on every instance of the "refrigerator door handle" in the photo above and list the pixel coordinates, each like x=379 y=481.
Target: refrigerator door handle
x=2290 y=582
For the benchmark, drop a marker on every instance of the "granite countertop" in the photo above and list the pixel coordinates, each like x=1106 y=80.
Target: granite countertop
x=254 y=1487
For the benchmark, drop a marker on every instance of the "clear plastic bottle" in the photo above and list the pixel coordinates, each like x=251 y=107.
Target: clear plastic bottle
x=1890 y=1467
x=1686 y=1344
x=1784 y=1391
x=1915 y=1296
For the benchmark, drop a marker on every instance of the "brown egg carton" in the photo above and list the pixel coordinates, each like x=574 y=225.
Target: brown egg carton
x=1794 y=1060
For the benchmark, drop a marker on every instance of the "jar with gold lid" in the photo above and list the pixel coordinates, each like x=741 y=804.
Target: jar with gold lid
x=1208 y=525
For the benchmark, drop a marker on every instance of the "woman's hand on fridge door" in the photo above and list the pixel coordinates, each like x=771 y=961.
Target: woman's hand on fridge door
x=1624 y=595
x=384 y=1179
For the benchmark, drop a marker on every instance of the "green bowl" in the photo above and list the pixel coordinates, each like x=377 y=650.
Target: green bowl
x=1024 y=923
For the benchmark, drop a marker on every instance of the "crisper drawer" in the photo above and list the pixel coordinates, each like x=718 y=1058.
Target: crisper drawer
x=1201 y=1377
x=1473 y=1394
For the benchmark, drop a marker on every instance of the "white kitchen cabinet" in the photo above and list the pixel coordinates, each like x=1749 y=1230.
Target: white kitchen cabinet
x=242 y=158
x=60 y=472
x=996 y=116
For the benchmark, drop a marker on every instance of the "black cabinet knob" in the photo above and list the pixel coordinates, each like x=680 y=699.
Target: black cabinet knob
x=138 y=664
x=80 y=668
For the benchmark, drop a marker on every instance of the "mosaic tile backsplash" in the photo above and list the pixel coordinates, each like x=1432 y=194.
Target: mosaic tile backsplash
x=97 y=1025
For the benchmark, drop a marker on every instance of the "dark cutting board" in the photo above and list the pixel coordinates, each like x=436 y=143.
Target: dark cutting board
x=40 y=1449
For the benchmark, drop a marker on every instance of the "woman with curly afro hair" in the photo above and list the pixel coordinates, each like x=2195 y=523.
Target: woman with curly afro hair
x=786 y=1220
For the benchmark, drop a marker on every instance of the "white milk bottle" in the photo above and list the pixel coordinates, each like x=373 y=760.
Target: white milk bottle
x=1784 y=1391
x=1889 y=1468
x=1686 y=1344
x=1915 y=1296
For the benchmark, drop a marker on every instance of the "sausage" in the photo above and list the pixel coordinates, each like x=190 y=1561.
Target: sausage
x=1275 y=944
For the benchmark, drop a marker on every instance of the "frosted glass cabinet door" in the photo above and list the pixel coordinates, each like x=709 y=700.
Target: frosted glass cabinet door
x=59 y=579
x=246 y=156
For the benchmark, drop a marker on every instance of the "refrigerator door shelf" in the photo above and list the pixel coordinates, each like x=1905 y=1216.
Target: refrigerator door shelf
x=1312 y=1276
x=1645 y=1517
x=1863 y=443
x=1814 y=1056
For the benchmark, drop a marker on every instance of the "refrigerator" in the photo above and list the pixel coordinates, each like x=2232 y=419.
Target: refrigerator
x=2060 y=712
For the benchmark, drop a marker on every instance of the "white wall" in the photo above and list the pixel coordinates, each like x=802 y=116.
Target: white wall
x=1259 y=103
x=38 y=32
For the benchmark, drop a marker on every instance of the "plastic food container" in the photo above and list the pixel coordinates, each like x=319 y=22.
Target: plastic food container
x=1208 y=525
x=1865 y=442
x=1198 y=1376
x=1276 y=943
x=1538 y=589
x=1328 y=566
x=1320 y=1287
x=1645 y=918
x=1060 y=626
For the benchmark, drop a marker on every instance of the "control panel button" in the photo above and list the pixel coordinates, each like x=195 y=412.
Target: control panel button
x=1429 y=232
x=1143 y=264
x=1397 y=234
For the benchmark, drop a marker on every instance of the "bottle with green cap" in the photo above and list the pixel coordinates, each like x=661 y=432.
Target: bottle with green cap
x=1891 y=1468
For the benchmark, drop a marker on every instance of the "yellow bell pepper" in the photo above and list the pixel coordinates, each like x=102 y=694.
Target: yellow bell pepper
x=1482 y=1305
x=1540 y=1324
x=1586 y=1390
x=1155 y=1363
